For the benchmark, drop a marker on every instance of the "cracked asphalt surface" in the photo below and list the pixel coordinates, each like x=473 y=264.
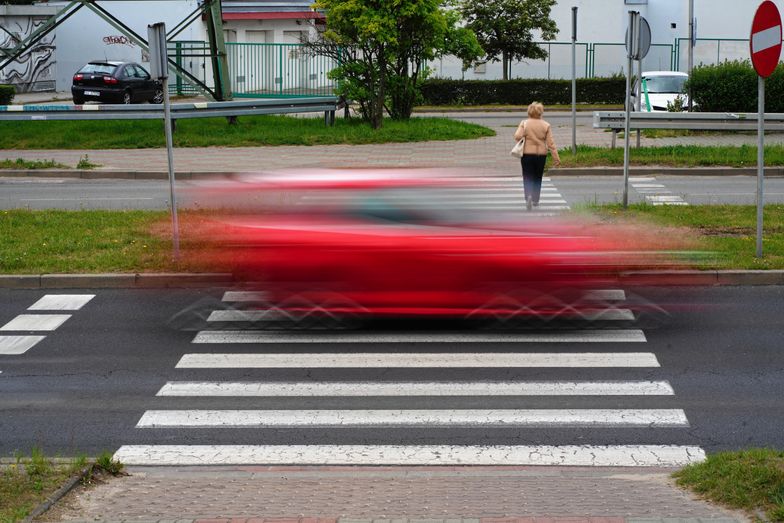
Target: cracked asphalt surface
x=84 y=387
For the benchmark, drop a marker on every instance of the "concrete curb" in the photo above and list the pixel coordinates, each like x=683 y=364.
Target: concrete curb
x=563 y=171
x=58 y=495
x=186 y=280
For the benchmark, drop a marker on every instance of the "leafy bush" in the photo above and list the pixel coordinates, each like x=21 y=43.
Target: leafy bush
x=7 y=93
x=732 y=87
x=522 y=92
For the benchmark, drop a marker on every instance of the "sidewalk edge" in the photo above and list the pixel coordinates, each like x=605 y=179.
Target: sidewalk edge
x=184 y=280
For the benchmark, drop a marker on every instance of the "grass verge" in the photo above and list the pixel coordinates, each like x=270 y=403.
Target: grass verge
x=751 y=480
x=673 y=156
x=515 y=108
x=92 y=241
x=728 y=232
x=21 y=163
x=27 y=482
x=248 y=131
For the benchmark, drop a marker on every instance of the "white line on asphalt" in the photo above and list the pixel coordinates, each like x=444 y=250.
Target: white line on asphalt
x=418 y=359
x=415 y=418
x=271 y=315
x=233 y=296
x=35 y=322
x=77 y=199
x=635 y=179
x=606 y=295
x=14 y=345
x=568 y=455
x=61 y=302
x=376 y=388
x=648 y=186
x=575 y=336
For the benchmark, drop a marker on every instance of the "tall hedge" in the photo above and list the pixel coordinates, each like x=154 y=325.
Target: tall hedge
x=522 y=92
x=732 y=87
x=7 y=93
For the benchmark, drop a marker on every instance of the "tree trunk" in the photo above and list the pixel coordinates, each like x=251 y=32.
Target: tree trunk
x=505 y=59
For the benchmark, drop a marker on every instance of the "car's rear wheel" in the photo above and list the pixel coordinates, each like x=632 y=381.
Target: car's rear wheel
x=126 y=99
x=157 y=97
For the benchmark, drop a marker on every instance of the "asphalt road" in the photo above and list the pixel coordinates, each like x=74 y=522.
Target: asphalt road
x=91 y=380
x=38 y=193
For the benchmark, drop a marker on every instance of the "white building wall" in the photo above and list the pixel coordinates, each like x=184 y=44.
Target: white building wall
x=603 y=23
x=85 y=36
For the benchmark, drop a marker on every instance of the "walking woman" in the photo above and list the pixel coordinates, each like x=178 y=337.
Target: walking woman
x=538 y=140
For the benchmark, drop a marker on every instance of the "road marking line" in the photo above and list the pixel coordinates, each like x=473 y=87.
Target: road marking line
x=35 y=322
x=414 y=418
x=272 y=315
x=567 y=455
x=576 y=336
x=14 y=345
x=648 y=186
x=606 y=295
x=78 y=199
x=61 y=302
x=375 y=388
x=635 y=179
x=418 y=359
x=233 y=296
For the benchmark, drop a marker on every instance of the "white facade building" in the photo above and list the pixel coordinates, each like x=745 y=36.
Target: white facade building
x=722 y=29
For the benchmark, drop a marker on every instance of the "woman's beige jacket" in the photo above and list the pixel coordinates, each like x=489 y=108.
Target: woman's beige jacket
x=538 y=137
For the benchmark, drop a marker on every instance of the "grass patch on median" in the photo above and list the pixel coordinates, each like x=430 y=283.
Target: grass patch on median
x=51 y=241
x=28 y=481
x=248 y=131
x=751 y=480
x=21 y=163
x=728 y=232
x=673 y=156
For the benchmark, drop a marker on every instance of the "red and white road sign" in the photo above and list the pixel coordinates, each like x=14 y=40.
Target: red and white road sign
x=765 y=42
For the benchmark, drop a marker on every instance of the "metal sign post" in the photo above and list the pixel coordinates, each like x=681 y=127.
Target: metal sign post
x=632 y=46
x=574 y=80
x=765 y=47
x=159 y=68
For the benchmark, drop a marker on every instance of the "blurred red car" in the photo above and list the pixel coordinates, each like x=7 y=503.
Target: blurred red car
x=382 y=243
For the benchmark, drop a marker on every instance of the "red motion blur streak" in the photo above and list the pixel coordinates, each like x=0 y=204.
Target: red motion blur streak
x=341 y=261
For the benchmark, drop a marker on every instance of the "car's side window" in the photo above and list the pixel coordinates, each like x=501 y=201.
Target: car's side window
x=128 y=72
x=142 y=73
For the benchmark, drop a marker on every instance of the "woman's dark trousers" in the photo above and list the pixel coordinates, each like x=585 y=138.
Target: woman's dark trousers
x=533 y=169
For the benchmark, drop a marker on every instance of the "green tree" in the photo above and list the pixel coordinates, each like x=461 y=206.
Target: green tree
x=381 y=47
x=505 y=28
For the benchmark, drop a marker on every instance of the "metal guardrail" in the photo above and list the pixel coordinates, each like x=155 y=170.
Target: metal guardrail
x=687 y=121
x=326 y=104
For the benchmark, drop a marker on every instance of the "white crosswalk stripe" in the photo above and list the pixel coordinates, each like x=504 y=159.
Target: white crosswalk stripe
x=400 y=400
x=413 y=388
x=655 y=193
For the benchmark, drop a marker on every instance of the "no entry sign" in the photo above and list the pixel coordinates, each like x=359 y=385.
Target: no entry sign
x=765 y=42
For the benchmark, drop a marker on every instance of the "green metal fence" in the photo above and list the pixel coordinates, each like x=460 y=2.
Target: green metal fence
x=710 y=51
x=193 y=56
x=277 y=71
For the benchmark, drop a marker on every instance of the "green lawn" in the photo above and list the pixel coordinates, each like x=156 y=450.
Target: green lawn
x=248 y=131
x=751 y=480
x=673 y=156
x=35 y=242
x=726 y=231
x=21 y=163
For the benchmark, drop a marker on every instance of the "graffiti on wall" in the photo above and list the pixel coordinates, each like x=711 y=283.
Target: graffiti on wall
x=118 y=40
x=34 y=70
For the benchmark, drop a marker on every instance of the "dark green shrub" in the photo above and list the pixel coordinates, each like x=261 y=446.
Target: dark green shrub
x=522 y=92
x=732 y=87
x=7 y=93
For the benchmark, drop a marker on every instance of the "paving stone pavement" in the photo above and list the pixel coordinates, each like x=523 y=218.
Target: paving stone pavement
x=387 y=494
x=485 y=155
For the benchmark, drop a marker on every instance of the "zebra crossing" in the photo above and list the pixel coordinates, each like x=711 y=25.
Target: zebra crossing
x=406 y=403
x=654 y=192
x=503 y=194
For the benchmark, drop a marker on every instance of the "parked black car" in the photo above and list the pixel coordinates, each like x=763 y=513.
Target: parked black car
x=115 y=82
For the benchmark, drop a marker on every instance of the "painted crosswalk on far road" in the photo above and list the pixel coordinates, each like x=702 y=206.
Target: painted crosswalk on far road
x=61 y=302
x=414 y=418
x=418 y=360
x=410 y=388
x=572 y=336
x=531 y=455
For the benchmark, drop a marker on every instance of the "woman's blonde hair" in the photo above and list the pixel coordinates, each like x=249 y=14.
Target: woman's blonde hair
x=535 y=110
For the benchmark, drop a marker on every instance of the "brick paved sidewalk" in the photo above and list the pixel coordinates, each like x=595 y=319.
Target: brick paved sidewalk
x=348 y=494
